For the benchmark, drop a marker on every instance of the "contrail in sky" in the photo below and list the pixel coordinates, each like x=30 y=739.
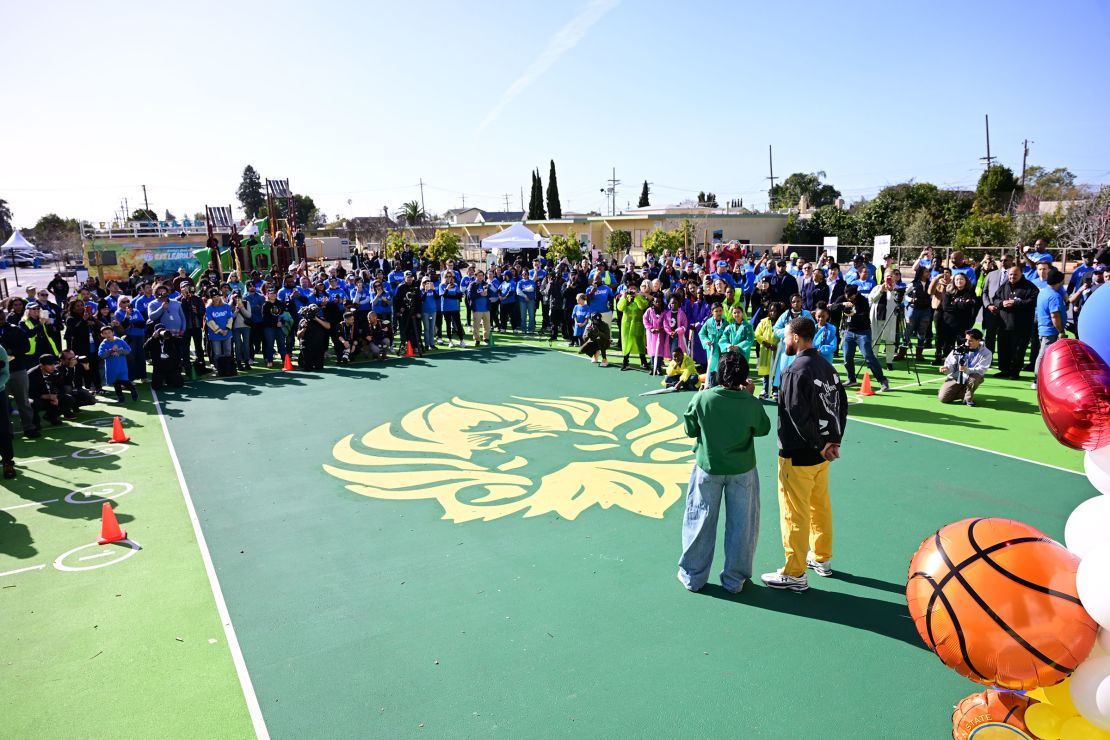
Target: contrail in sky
x=562 y=42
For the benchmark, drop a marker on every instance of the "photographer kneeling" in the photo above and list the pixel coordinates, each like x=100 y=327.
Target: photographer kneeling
x=965 y=366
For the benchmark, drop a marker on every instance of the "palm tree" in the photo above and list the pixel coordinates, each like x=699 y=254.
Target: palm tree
x=5 y=220
x=411 y=213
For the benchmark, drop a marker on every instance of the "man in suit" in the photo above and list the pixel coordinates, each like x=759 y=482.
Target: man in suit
x=994 y=282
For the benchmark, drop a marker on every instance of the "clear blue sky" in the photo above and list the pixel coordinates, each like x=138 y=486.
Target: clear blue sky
x=360 y=100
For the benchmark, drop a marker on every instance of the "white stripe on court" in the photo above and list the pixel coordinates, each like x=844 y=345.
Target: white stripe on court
x=221 y=606
x=22 y=570
x=33 y=503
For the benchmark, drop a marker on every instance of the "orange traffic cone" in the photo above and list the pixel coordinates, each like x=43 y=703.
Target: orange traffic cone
x=288 y=365
x=109 y=527
x=865 y=388
x=408 y=349
x=117 y=431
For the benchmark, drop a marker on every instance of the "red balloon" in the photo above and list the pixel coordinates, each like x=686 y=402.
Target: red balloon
x=1073 y=389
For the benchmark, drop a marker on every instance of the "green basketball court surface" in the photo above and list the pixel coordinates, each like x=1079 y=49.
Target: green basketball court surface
x=480 y=543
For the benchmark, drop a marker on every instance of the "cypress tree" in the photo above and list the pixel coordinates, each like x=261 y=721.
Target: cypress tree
x=644 y=202
x=554 y=208
x=535 y=201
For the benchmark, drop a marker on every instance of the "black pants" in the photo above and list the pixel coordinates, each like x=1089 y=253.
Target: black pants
x=945 y=341
x=7 y=452
x=256 y=338
x=991 y=327
x=1012 y=344
x=453 y=322
x=197 y=338
x=53 y=413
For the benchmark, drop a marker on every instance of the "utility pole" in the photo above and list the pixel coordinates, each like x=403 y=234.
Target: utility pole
x=464 y=200
x=422 y=194
x=506 y=202
x=126 y=211
x=988 y=159
x=772 y=178
x=521 y=197
x=146 y=203
x=1024 y=160
x=611 y=193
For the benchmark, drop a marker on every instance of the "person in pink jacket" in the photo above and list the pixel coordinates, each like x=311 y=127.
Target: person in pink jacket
x=676 y=326
x=657 y=340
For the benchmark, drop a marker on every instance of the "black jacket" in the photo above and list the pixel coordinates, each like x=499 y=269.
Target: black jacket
x=782 y=287
x=1020 y=315
x=813 y=408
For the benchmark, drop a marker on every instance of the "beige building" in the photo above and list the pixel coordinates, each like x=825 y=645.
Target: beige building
x=710 y=225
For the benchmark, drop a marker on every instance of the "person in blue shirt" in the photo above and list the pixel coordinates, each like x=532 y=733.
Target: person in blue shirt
x=580 y=316
x=429 y=307
x=450 y=294
x=537 y=273
x=336 y=292
x=288 y=290
x=863 y=281
x=509 y=307
x=1034 y=255
x=364 y=301
x=383 y=308
x=132 y=325
x=255 y=301
x=598 y=297
x=114 y=353
x=396 y=277
x=465 y=283
x=961 y=265
x=526 y=293
x=478 y=294
x=1051 y=314
x=218 y=318
x=1085 y=268
x=722 y=273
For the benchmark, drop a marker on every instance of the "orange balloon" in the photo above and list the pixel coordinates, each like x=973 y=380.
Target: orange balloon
x=995 y=600
x=989 y=706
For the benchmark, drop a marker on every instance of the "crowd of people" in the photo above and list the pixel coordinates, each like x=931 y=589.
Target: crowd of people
x=673 y=315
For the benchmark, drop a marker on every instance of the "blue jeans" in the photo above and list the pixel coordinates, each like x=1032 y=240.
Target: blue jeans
x=242 y=339
x=271 y=339
x=861 y=339
x=220 y=348
x=429 y=330
x=916 y=325
x=699 y=527
x=528 y=308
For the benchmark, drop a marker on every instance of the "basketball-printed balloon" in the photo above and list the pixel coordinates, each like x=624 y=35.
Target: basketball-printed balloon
x=998 y=713
x=996 y=601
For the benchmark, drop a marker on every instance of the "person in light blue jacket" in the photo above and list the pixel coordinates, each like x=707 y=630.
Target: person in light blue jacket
x=783 y=360
x=825 y=340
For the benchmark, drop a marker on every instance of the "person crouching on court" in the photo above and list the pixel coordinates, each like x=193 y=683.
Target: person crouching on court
x=725 y=420
x=813 y=409
x=965 y=367
x=598 y=339
x=681 y=374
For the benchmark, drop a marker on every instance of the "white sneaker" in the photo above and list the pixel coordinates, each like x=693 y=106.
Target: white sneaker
x=1033 y=385
x=823 y=569
x=605 y=363
x=788 y=583
x=593 y=360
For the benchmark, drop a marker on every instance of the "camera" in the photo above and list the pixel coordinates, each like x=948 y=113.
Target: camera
x=899 y=294
x=310 y=311
x=962 y=349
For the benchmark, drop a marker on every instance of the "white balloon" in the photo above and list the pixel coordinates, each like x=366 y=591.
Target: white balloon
x=1104 y=640
x=1096 y=465
x=1088 y=526
x=1090 y=691
x=1092 y=583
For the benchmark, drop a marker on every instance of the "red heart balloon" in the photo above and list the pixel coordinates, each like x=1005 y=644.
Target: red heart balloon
x=1073 y=389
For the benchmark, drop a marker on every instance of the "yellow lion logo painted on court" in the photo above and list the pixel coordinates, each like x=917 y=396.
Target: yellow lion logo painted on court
x=467 y=456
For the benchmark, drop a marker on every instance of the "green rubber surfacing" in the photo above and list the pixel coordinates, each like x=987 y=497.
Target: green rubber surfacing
x=362 y=617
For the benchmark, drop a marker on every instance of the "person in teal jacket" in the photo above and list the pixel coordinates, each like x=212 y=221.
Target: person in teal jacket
x=783 y=360
x=710 y=336
x=825 y=340
x=739 y=335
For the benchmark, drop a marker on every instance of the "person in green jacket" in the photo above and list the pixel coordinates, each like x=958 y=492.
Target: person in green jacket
x=710 y=336
x=739 y=335
x=725 y=420
x=633 y=334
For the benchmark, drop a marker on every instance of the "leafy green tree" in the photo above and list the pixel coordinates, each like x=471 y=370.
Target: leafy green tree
x=142 y=214
x=645 y=194
x=658 y=241
x=535 y=201
x=993 y=230
x=996 y=190
x=250 y=192
x=921 y=229
x=801 y=230
x=554 y=208
x=304 y=211
x=395 y=243
x=1056 y=184
x=443 y=246
x=833 y=221
x=619 y=242
x=808 y=184
x=54 y=233
x=5 y=221
x=560 y=246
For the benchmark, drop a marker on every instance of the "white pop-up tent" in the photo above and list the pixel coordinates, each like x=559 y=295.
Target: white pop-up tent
x=513 y=239
x=17 y=242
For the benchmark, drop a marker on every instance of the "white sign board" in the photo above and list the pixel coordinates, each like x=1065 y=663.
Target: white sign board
x=831 y=243
x=882 y=249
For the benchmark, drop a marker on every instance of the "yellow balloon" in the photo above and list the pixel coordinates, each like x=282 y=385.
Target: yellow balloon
x=1044 y=721
x=1059 y=696
x=1037 y=695
x=1077 y=728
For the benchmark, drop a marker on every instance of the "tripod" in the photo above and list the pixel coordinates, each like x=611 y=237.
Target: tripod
x=903 y=343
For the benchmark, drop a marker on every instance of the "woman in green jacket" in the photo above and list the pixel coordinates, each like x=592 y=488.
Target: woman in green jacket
x=633 y=335
x=710 y=335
